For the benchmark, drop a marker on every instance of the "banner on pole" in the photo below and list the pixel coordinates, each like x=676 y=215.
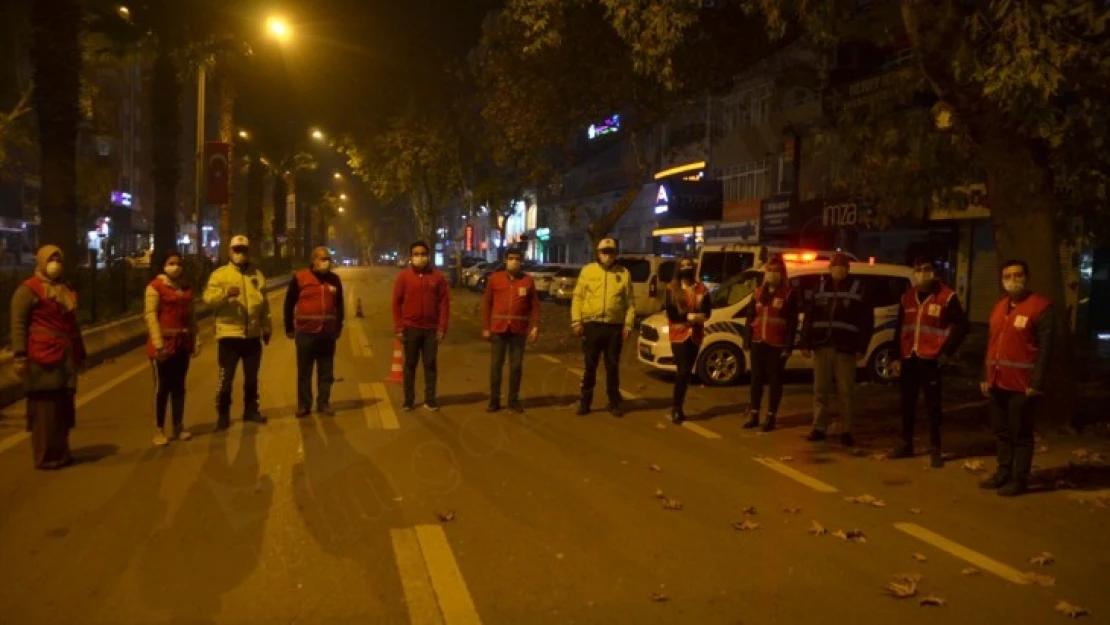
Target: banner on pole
x=215 y=155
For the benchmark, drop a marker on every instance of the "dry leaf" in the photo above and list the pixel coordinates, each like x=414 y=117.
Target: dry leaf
x=655 y=467
x=867 y=500
x=791 y=510
x=659 y=597
x=878 y=456
x=915 y=510
x=841 y=534
x=672 y=504
x=817 y=529
x=1069 y=610
x=969 y=571
x=659 y=425
x=1038 y=579
x=856 y=536
x=446 y=516
x=920 y=557
x=659 y=494
x=974 y=465
x=1044 y=558
x=748 y=510
x=1062 y=484
x=932 y=600
x=746 y=526
x=909 y=577
x=786 y=458
x=903 y=586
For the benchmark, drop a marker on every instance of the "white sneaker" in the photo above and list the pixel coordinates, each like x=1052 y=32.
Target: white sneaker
x=182 y=434
x=160 y=438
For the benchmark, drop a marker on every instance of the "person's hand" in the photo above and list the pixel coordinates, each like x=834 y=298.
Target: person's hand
x=440 y=334
x=400 y=336
x=291 y=334
x=265 y=338
x=161 y=355
x=196 y=349
x=533 y=335
x=19 y=367
x=233 y=291
x=1032 y=392
x=485 y=334
x=626 y=333
x=577 y=329
x=985 y=389
x=806 y=353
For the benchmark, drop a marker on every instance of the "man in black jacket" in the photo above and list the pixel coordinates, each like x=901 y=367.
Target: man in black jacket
x=836 y=332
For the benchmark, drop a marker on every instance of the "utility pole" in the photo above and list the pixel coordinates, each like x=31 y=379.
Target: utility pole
x=198 y=200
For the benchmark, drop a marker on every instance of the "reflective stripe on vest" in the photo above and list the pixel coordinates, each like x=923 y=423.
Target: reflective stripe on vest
x=314 y=312
x=1012 y=349
x=840 y=325
x=922 y=333
x=173 y=319
x=679 y=332
x=770 y=323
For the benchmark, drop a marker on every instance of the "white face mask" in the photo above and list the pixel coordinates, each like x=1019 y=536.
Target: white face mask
x=420 y=262
x=773 y=278
x=173 y=271
x=839 y=273
x=239 y=258
x=512 y=265
x=923 y=278
x=322 y=266
x=1014 y=286
x=606 y=259
x=53 y=269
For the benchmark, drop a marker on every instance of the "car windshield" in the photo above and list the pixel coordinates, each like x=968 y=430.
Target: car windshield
x=568 y=272
x=736 y=288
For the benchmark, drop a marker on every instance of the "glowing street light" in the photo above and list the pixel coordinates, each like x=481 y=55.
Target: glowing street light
x=243 y=134
x=343 y=196
x=278 y=28
x=337 y=176
x=318 y=135
x=341 y=209
x=124 y=12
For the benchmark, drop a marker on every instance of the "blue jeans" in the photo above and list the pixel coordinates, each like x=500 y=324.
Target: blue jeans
x=514 y=344
x=315 y=350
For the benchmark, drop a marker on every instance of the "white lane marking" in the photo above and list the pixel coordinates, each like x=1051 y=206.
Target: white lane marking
x=550 y=358
x=796 y=475
x=385 y=407
x=697 y=429
x=454 y=597
x=971 y=556
x=415 y=581
x=366 y=392
x=576 y=371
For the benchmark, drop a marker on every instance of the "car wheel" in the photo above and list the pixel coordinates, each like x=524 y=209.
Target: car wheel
x=721 y=365
x=882 y=367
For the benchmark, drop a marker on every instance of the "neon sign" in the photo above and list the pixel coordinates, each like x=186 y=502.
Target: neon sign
x=607 y=127
x=662 y=201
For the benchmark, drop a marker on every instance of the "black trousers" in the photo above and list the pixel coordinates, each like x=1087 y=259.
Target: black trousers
x=602 y=340
x=921 y=374
x=315 y=351
x=420 y=344
x=514 y=345
x=1012 y=416
x=230 y=352
x=685 y=357
x=169 y=387
x=767 y=366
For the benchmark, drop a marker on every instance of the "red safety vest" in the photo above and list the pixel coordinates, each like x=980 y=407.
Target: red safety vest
x=315 y=309
x=922 y=330
x=510 y=303
x=53 y=330
x=1012 y=350
x=173 y=319
x=679 y=332
x=770 y=322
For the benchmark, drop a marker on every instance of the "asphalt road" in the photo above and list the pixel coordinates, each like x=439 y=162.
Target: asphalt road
x=381 y=516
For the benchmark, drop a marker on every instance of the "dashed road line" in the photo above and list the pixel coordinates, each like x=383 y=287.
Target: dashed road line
x=702 y=431
x=369 y=412
x=966 y=554
x=385 y=407
x=796 y=475
x=551 y=359
x=454 y=598
x=415 y=581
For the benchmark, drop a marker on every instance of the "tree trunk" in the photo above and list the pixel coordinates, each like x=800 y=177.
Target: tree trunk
x=1025 y=228
x=278 y=196
x=227 y=133
x=165 y=102
x=256 y=189
x=600 y=227
x=56 y=54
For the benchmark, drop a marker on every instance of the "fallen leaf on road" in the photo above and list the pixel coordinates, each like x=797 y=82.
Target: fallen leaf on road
x=672 y=504
x=867 y=500
x=920 y=557
x=786 y=458
x=659 y=425
x=841 y=534
x=817 y=529
x=748 y=510
x=746 y=526
x=974 y=465
x=1063 y=484
x=1044 y=558
x=903 y=586
x=655 y=467
x=932 y=600
x=1069 y=610
x=969 y=571
x=914 y=510
x=1038 y=579
x=658 y=596
x=791 y=510
x=878 y=456
x=856 y=536
x=446 y=516
x=659 y=494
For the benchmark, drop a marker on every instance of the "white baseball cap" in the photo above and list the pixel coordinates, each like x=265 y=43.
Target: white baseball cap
x=607 y=244
x=239 y=241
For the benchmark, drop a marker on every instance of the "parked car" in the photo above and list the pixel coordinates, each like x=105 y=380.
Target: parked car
x=139 y=260
x=543 y=275
x=722 y=360
x=717 y=263
x=650 y=275
x=472 y=273
x=562 y=283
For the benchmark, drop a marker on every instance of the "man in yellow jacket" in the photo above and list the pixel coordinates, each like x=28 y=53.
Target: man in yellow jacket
x=243 y=326
x=602 y=312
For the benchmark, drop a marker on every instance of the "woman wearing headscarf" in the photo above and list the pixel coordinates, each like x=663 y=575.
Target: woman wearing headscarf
x=171 y=324
x=687 y=308
x=46 y=341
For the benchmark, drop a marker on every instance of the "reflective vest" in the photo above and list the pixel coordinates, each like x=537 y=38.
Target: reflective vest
x=679 y=332
x=770 y=322
x=831 y=301
x=923 y=332
x=510 y=302
x=173 y=319
x=315 y=309
x=1012 y=350
x=53 y=330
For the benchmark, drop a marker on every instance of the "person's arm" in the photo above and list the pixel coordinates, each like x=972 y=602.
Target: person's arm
x=1046 y=335
x=267 y=318
x=398 y=302
x=340 y=305
x=960 y=326
x=23 y=301
x=151 y=300
x=790 y=311
x=630 y=298
x=577 y=297
x=487 y=304
x=534 y=321
x=292 y=294
x=806 y=309
x=898 y=320
x=194 y=329
x=215 y=293
x=444 y=304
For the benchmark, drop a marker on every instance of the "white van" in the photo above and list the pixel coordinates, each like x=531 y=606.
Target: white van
x=651 y=273
x=722 y=360
x=719 y=262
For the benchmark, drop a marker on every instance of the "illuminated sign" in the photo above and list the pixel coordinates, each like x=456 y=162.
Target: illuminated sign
x=607 y=127
x=469 y=238
x=662 y=202
x=121 y=198
x=694 y=201
x=543 y=234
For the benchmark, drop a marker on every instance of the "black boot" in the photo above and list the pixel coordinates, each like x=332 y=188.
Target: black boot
x=677 y=417
x=769 y=424
x=1013 y=488
x=223 y=421
x=905 y=450
x=584 y=404
x=753 y=420
x=998 y=480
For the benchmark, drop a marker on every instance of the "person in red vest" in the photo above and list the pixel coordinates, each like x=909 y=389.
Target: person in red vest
x=421 y=310
x=510 y=316
x=931 y=326
x=687 y=307
x=314 y=319
x=772 y=326
x=49 y=352
x=1021 y=337
x=172 y=340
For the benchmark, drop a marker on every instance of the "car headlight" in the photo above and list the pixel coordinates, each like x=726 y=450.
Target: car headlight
x=665 y=330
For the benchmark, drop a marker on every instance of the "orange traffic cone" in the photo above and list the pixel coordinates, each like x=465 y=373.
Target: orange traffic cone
x=358 y=308
x=396 y=375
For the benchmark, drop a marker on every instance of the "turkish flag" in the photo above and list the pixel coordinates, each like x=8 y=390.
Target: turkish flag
x=217 y=169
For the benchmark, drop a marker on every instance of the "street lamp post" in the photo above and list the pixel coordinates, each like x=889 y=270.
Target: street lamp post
x=199 y=186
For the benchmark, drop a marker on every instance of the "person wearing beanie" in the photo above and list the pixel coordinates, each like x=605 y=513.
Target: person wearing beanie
x=49 y=353
x=172 y=339
x=772 y=326
x=836 y=333
x=314 y=320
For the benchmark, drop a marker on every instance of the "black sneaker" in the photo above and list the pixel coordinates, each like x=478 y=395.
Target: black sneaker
x=325 y=409
x=677 y=417
x=493 y=408
x=901 y=451
x=752 y=422
x=936 y=460
x=616 y=410
x=583 y=409
x=516 y=407
x=431 y=406
x=993 y=482
x=254 y=417
x=1012 y=489
x=406 y=408
x=815 y=436
x=847 y=440
x=303 y=412
x=222 y=425
x=769 y=424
